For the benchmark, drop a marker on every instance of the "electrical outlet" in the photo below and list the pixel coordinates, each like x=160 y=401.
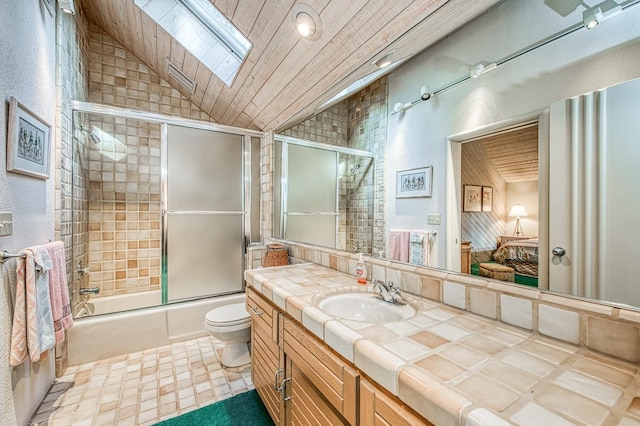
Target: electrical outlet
x=433 y=219
x=6 y=224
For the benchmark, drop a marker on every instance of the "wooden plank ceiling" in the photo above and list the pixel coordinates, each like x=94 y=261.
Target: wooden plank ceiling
x=285 y=77
x=514 y=154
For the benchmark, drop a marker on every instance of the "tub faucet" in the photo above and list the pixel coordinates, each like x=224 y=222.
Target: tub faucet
x=90 y=290
x=388 y=292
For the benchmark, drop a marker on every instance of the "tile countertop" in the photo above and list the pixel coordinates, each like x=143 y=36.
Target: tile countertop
x=458 y=368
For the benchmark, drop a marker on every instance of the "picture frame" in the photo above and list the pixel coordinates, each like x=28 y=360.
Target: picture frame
x=487 y=199
x=50 y=5
x=28 y=142
x=472 y=199
x=414 y=183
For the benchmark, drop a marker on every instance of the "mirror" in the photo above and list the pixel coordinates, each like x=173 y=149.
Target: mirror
x=325 y=195
x=529 y=77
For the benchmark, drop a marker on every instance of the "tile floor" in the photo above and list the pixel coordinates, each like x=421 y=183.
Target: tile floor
x=142 y=388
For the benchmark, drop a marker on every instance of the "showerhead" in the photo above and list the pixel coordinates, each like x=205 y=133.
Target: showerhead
x=94 y=138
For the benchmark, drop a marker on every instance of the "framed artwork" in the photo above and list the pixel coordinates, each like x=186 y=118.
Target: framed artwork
x=472 y=198
x=28 y=142
x=50 y=5
x=487 y=199
x=414 y=182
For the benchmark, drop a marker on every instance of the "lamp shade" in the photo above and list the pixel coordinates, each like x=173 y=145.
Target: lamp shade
x=518 y=210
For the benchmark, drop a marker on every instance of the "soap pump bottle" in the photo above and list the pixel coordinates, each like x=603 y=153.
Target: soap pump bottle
x=361 y=271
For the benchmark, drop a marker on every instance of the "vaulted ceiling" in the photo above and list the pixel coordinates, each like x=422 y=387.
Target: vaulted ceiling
x=285 y=78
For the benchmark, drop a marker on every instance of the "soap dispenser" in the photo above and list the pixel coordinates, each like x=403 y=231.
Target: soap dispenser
x=361 y=271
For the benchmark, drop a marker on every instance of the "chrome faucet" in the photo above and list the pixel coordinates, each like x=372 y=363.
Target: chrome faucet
x=90 y=290
x=388 y=292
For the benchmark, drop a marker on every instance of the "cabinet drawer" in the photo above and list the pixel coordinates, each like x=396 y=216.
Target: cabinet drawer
x=378 y=409
x=262 y=312
x=336 y=381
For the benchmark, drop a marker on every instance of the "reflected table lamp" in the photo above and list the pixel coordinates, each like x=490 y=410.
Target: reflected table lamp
x=518 y=211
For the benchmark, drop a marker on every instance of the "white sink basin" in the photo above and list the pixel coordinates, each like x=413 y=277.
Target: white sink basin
x=364 y=307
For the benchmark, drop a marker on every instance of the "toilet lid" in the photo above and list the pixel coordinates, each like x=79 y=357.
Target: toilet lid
x=228 y=314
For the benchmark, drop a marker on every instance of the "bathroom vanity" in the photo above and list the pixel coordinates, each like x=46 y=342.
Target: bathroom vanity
x=440 y=365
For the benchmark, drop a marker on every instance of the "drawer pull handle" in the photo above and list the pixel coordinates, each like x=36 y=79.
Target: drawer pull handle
x=275 y=380
x=256 y=311
x=283 y=388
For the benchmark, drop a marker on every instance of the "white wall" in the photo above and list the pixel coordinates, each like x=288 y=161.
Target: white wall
x=27 y=72
x=523 y=87
x=525 y=194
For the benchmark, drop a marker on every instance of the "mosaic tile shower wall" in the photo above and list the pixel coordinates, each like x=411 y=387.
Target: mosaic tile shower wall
x=124 y=206
x=359 y=122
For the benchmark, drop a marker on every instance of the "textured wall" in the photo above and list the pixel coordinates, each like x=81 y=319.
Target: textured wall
x=27 y=72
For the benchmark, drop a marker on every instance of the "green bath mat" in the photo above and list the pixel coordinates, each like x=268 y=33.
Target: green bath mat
x=243 y=409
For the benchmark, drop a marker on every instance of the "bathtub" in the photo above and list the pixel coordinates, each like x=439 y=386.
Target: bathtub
x=124 y=302
x=94 y=338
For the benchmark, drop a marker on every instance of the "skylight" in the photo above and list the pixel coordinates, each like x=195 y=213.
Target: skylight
x=202 y=30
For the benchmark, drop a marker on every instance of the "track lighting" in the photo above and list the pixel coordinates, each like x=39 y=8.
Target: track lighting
x=478 y=70
x=424 y=93
x=595 y=15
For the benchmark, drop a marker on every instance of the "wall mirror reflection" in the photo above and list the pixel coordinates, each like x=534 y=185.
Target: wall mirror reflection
x=542 y=128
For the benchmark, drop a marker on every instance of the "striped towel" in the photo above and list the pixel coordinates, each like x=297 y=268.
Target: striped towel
x=419 y=252
x=59 y=290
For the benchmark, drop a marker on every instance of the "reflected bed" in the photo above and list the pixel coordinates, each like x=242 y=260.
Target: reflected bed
x=521 y=255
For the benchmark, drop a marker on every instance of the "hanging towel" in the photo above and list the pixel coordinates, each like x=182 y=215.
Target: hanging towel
x=399 y=245
x=59 y=290
x=32 y=331
x=46 y=333
x=19 y=327
x=419 y=253
x=7 y=283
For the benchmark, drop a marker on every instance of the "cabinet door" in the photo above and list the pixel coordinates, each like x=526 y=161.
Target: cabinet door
x=317 y=371
x=376 y=408
x=308 y=406
x=267 y=358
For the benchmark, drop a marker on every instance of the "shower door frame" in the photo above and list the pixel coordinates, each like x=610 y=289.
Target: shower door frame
x=284 y=176
x=165 y=121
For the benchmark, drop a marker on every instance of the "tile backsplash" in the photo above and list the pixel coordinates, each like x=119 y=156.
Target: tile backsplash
x=604 y=328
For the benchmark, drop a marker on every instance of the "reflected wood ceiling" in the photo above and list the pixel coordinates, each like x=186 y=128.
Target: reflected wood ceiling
x=285 y=78
x=514 y=154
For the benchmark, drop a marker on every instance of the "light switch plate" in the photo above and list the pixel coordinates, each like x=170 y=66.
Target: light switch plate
x=433 y=219
x=6 y=223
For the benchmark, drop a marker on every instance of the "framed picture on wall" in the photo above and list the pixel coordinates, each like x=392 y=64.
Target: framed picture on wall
x=414 y=182
x=472 y=199
x=487 y=199
x=28 y=142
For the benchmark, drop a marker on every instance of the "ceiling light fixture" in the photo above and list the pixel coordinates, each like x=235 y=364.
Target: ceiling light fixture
x=595 y=15
x=384 y=61
x=67 y=6
x=306 y=21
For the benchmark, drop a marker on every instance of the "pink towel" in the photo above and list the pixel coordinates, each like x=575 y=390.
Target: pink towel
x=399 y=245
x=59 y=290
x=24 y=332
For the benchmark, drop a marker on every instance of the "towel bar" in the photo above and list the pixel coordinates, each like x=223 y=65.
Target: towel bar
x=4 y=255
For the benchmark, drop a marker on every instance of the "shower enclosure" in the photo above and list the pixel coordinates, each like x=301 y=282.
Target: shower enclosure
x=162 y=208
x=325 y=196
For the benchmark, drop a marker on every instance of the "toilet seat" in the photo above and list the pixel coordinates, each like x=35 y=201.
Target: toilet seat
x=228 y=315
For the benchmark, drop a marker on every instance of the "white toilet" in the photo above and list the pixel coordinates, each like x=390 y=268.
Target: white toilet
x=231 y=324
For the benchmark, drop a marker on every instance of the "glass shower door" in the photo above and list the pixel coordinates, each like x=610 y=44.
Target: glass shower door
x=204 y=218
x=311 y=206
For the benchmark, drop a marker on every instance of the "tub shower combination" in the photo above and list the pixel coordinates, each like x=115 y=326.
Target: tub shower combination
x=162 y=211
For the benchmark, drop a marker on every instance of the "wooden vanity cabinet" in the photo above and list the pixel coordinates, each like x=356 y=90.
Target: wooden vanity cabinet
x=324 y=388
x=267 y=356
x=304 y=382
x=378 y=409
